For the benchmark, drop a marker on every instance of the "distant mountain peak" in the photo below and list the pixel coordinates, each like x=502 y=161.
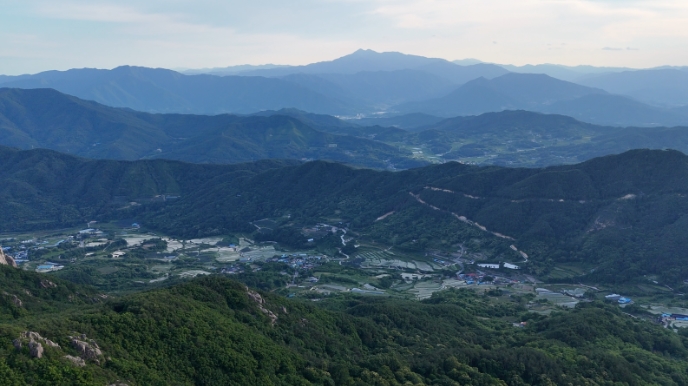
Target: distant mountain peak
x=363 y=51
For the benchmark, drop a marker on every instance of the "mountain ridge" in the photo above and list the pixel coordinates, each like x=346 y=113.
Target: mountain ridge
x=559 y=213
x=542 y=93
x=166 y=91
x=88 y=129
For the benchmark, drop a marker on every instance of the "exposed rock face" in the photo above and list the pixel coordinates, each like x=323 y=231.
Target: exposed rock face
x=35 y=343
x=48 y=284
x=34 y=336
x=255 y=296
x=88 y=348
x=35 y=349
x=14 y=299
x=6 y=260
x=34 y=340
x=76 y=360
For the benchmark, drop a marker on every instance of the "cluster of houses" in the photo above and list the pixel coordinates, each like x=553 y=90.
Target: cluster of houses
x=498 y=265
x=299 y=260
x=19 y=255
x=90 y=232
x=296 y=260
x=666 y=318
x=478 y=279
x=231 y=270
x=443 y=262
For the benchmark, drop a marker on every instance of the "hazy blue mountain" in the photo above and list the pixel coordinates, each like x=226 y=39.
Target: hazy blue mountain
x=385 y=88
x=160 y=90
x=462 y=74
x=363 y=82
x=661 y=87
x=371 y=61
x=559 y=71
x=323 y=86
x=568 y=73
x=680 y=110
x=361 y=60
x=45 y=118
x=539 y=89
x=321 y=122
x=510 y=91
x=381 y=89
x=474 y=97
x=616 y=110
x=467 y=61
x=412 y=122
x=537 y=92
x=515 y=120
x=230 y=70
x=553 y=70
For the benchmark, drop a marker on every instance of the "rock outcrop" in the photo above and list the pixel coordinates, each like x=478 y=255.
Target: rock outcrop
x=6 y=260
x=45 y=283
x=36 y=349
x=34 y=342
x=76 y=361
x=87 y=348
x=255 y=296
x=14 y=299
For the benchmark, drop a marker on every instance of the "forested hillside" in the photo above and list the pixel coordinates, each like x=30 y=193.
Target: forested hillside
x=159 y=90
x=507 y=138
x=624 y=214
x=539 y=92
x=215 y=331
x=45 y=118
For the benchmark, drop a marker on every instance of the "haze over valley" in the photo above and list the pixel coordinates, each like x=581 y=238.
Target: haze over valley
x=239 y=194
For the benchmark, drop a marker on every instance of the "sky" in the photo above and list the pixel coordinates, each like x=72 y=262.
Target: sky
x=38 y=35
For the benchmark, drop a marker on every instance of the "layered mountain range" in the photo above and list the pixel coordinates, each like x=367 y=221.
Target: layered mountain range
x=368 y=83
x=214 y=330
x=622 y=215
x=48 y=119
x=45 y=118
x=576 y=174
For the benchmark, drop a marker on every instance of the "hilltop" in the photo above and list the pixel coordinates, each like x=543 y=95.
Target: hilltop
x=45 y=118
x=621 y=214
x=217 y=331
x=159 y=90
x=368 y=83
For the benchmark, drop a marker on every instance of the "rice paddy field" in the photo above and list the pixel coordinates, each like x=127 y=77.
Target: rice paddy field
x=558 y=299
x=413 y=275
x=386 y=260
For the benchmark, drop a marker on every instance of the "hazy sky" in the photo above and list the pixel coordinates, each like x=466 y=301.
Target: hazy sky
x=42 y=35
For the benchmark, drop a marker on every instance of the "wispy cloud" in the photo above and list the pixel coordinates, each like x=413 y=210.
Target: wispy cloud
x=185 y=33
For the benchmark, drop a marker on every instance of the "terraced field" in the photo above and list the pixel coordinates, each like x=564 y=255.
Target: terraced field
x=384 y=259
